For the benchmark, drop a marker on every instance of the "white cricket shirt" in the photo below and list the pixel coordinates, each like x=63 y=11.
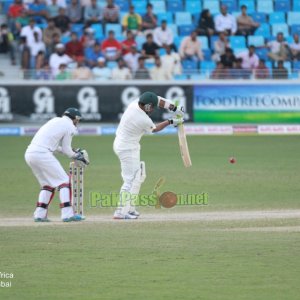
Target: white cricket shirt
x=55 y=135
x=133 y=125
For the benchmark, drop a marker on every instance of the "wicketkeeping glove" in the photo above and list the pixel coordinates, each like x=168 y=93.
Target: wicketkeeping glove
x=81 y=158
x=176 y=121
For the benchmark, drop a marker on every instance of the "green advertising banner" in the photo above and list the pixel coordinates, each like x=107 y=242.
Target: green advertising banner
x=263 y=103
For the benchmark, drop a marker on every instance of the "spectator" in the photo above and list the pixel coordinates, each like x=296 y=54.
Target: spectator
x=132 y=21
x=295 y=47
x=111 y=13
x=163 y=36
x=246 y=25
x=21 y=21
x=88 y=38
x=92 y=54
x=261 y=71
x=219 y=46
x=74 y=48
x=63 y=73
x=82 y=72
x=228 y=58
x=58 y=58
x=219 y=72
x=225 y=22
x=141 y=72
x=49 y=33
x=150 y=49
x=38 y=11
x=40 y=60
x=29 y=30
x=250 y=60
x=171 y=62
x=128 y=43
x=7 y=43
x=111 y=48
x=36 y=46
x=190 y=48
x=206 y=25
x=24 y=53
x=101 y=72
x=53 y=9
x=278 y=48
x=74 y=12
x=85 y=3
x=92 y=13
x=60 y=3
x=158 y=72
x=44 y=73
x=149 y=20
x=132 y=59
x=121 y=72
x=15 y=11
x=62 y=21
x=280 y=72
x=238 y=72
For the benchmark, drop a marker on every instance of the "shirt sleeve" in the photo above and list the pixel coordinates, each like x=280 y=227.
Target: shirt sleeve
x=66 y=143
x=149 y=126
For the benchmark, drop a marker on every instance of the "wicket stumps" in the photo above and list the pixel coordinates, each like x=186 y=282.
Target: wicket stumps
x=76 y=181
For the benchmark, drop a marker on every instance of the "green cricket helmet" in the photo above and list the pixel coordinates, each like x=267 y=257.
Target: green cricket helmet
x=73 y=113
x=149 y=100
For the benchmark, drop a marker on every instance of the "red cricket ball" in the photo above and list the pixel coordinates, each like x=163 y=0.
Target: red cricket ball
x=232 y=160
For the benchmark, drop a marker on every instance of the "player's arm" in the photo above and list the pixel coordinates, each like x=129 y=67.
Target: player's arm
x=164 y=124
x=167 y=104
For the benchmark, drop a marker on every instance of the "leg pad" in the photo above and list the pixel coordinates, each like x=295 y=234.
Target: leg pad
x=65 y=204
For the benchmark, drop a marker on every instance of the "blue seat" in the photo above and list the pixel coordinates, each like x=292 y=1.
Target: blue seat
x=183 y=18
x=250 y=5
x=265 y=6
x=6 y=5
x=140 y=6
x=237 y=42
x=203 y=41
x=162 y=51
x=111 y=64
x=277 y=17
x=185 y=29
x=237 y=51
x=168 y=16
x=256 y=40
x=264 y=30
x=140 y=40
x=212 y=5
x=159 y=6
x=116 y=28
x=296 y=5
x=207 y=67
x=98 y=30
x=262 y=53
x=293 y=18
x=177 y=40
x=193 y=6
x=276 y=28
x=282 y=5
x=123 y=5
x=174 y=28
x=212 y=41
x=77 y=28
x=65 y=39
x=180 y=77
x=206 y=54
x=174 y=5
x=259 y=17
x=196 y=17
x=295 y=29
x=231 y=5
x=189 y=66
x=296 y=66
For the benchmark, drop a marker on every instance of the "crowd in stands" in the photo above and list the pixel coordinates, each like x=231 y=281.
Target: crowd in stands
x=81 y=39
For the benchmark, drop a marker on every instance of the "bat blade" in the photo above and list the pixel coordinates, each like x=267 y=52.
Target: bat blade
x=183 y=145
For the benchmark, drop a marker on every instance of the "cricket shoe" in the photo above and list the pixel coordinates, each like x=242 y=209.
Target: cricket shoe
x=120 y=216
x=134 y=213
x=75 y=218
x=41 y=220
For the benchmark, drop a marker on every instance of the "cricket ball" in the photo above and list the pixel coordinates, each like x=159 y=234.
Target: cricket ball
x=232 y=160
x=168 y=199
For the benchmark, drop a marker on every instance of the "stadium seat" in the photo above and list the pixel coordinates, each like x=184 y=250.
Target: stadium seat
x=212 y=5
x=183 y=18
x=277 y=17
x=295 y=29
x=293 y=18
x=193 y=6
x=123 y=5
x=168 y=16
x=206 y=54
x=162 y=51
x=296 y=5
x=250 y=5
x=185 y=30
x=140 y=6
x=204 y=42
x=264 y=30
x=178 y=40
x=174 y=5
x=296 y=66
x=262 y=53
x=265 y=6
x=6 y=5
x=117 y=28
x=111 y=64
x=189 y=66
x=140 y=40
x=237 y=51
x=77 y=28
x=207 y=67
x=259 y=17
x=149 y=64
x=212 y=41
x=231 y=5
x=174 y=29
x=256 y=40
x=180 y=77
x=280 y=28
x=159 y=6
x=282 y=5
x=98 y=30
x=65 y=39
x=237 y=42
x=196 y=17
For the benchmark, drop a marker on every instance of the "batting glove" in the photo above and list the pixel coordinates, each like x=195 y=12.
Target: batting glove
x=176 y=121
x=178 y=111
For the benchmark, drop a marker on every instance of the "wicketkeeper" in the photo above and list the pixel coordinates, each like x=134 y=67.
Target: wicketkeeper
x=134 y=123
x=55 y=136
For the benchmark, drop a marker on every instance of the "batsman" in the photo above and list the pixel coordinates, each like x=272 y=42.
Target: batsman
x=134 y=123
x=55 y=137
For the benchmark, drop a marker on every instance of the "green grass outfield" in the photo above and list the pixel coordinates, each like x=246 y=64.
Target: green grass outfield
x=220 y=259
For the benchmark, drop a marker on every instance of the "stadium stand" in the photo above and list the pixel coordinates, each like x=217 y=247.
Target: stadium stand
x=182 y=17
